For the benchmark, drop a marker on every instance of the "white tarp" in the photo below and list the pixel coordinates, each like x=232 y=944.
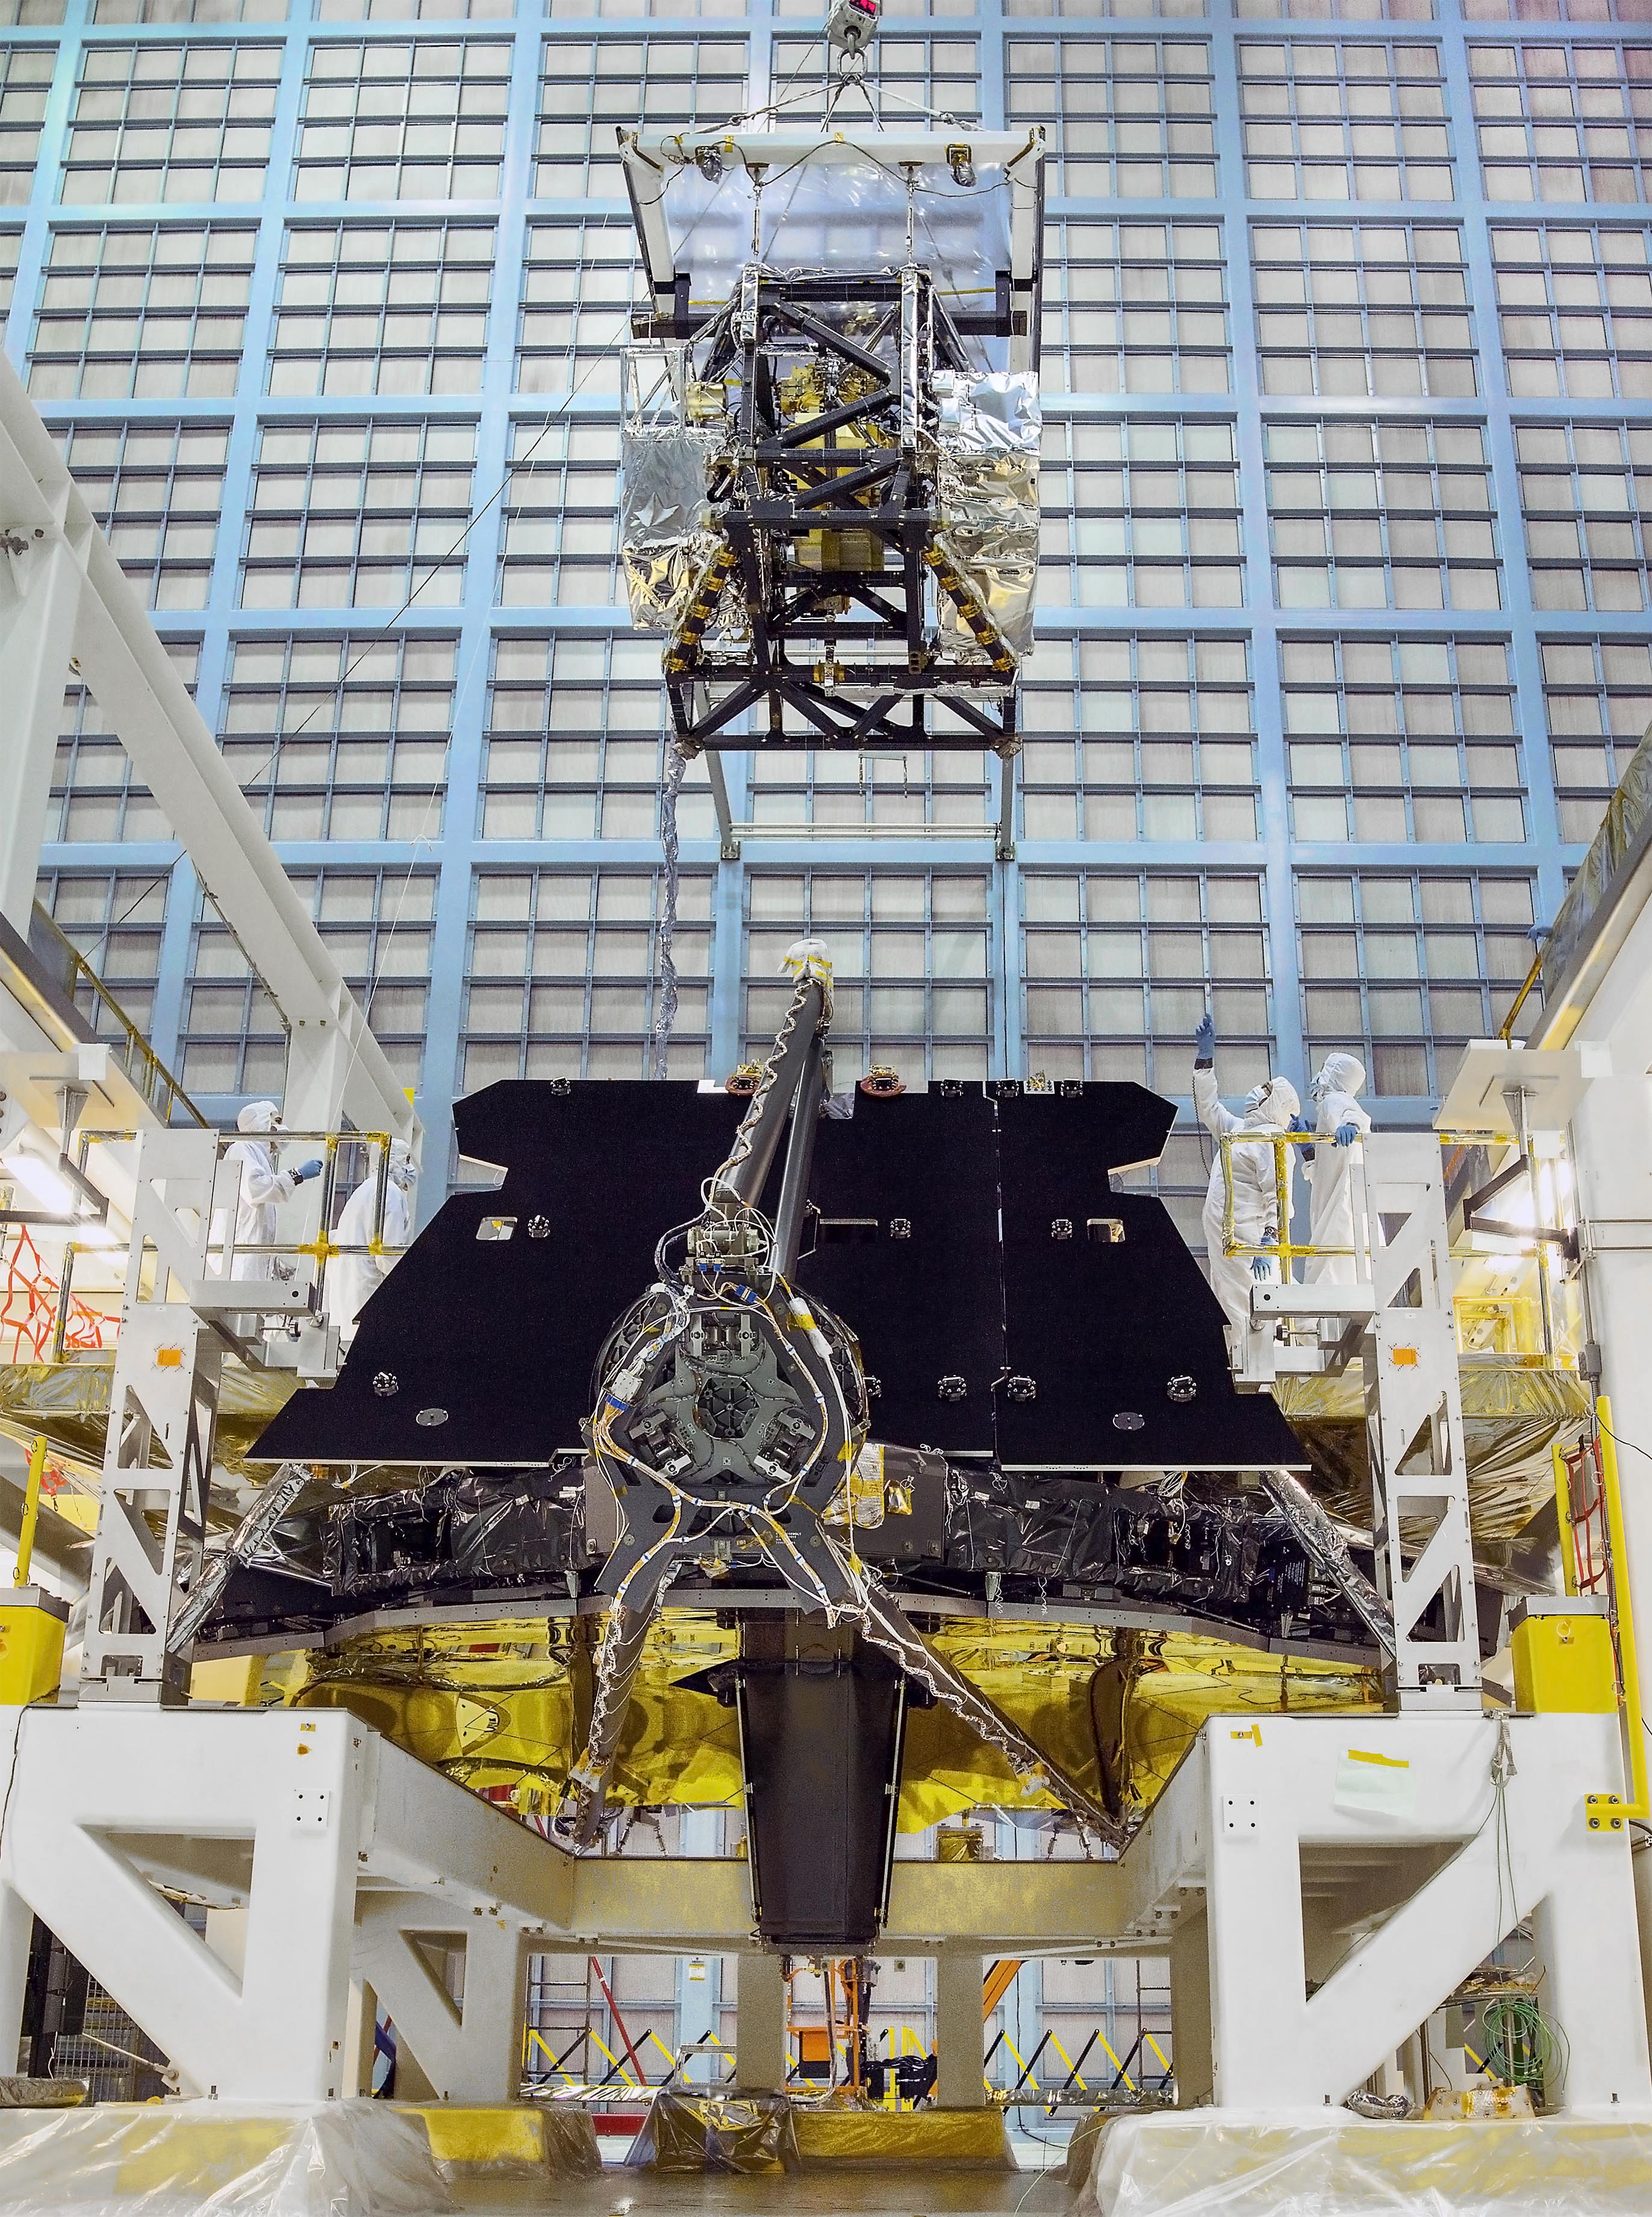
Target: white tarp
x=1212 y=2163
x=348 y=2159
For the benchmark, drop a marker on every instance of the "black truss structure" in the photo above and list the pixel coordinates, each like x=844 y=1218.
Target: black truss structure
x=808 y=651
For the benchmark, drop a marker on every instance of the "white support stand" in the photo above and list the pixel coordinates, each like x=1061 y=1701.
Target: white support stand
x=158 y=1458
x=470 y=2050
x=1398 y=1318
x=1413 y=1426
x=302 y=1821
x=1383 y=1858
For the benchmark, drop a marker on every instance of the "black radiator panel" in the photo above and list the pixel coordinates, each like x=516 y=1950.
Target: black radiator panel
x=919 y=1291
x=935 y=1242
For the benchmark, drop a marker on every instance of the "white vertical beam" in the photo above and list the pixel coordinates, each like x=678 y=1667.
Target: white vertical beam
x=959 y=2080
x=16 y=1930
x=760 y=2057
x=34 y=671
x=1612 y=1151
x=469 y=2052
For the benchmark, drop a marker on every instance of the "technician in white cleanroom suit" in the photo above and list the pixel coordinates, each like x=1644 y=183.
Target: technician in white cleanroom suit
x=352 y=1278
x=1340 y=1126
x=263 y=1188
x=1270 y=1107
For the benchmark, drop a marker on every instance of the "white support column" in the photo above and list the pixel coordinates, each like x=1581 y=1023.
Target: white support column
x=1413 y=1426
x=470 y=2051
x=1612 y=1153
x=38 y=640
x=760 y=2057
x=960 y=2082
x=1514 y=1795
x=16 y=1931
x=109 y=1805
x=1190 y=2009
x=360 y=2038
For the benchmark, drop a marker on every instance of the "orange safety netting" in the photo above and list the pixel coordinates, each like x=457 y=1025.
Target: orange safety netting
x=28 y=1308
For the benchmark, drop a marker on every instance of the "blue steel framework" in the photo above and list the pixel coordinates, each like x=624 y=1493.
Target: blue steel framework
x=1223 y=357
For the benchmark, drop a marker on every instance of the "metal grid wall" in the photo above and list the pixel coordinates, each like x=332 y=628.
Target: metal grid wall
x=1310 y=414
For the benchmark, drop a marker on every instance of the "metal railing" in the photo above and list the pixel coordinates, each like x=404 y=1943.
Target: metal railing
x=321 y=1250
x=68 y=969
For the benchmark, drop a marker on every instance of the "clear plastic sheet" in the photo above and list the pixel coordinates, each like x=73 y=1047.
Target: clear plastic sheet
x=1203 y=2163
x=69 y=1403
x=746 y=2132
x=990 y=432
x=663 y=535
x=841 y=205
x=354 y=2158
x=1512 y=1416
x=1616 y=844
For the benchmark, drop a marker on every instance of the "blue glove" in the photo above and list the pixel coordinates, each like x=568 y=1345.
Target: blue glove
x=1259 y=1266
x=1347 y=1134
x=1300 y=1123
x=1204 y=1037
x=312 y=1169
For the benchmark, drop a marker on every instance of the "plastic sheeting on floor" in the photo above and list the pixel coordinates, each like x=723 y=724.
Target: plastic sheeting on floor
x=1206 y=2163
x=746 y=2132
x=353 y=2158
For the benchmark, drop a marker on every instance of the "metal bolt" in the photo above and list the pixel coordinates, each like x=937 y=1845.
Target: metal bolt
x=385 y=1383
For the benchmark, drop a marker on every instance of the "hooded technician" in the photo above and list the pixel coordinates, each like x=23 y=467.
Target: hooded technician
x=1339 y=1127
x=1270 y=1107
x=352 y=1278
x=263 y=1188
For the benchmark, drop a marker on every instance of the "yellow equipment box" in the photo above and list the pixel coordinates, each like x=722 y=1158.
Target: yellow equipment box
x=1563 y=1652
x=31 y=1644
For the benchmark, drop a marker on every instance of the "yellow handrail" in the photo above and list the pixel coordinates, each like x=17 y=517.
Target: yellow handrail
x=1284 y=1249
x=1506 y=1029
x=31 y=1508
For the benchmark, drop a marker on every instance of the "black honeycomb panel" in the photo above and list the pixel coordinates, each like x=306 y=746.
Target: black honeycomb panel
x=503 y=1334
x=923 y=1306
x=1101 y=1325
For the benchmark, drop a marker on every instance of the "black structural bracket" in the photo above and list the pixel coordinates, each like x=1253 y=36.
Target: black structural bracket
x=829 y=521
